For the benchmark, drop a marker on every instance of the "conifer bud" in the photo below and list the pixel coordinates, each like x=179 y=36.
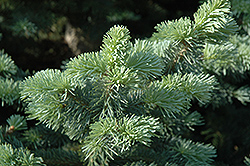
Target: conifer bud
x=11 y=130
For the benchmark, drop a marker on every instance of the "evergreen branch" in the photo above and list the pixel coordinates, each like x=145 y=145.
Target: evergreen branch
x=247 y=161
x=9 y=91
x=101 y=99
x=211 y=8
x=195 y=153
x=26 y=158
x=139 y=45
x=110 y=137
x=122 y=76
x=193 y=119
x=177 y=31
x=45 y=92
x=139 y=152
x=182 y=58
x=242 y=94
x=32 y=138
x=115 y=44
x=159 y=153
x=135 y=104
x=13 y=140
x=169 y=100
x=212 y=20
x=221 y=58
x=185 y=122
x=45 y=83
x=61 y=106
x=199 y=86
x=17 y=122
x=242 y=43
x=86 y=65
x=230 y=58
x=161 y=47
x=7 y=155
x=43 y=137
x=54 y=100
x=59 y=157
x=78 y=113
x=47 y=111
x=224 y=94
x=140 y=63
x=20 y=156
x=143 y=61
x=124 y=70
x=7 y=65
x=106 y=100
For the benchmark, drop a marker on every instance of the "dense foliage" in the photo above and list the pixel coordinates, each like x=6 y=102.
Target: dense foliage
x=169 y=99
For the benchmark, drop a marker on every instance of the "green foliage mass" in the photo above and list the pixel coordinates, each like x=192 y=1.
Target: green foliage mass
x=20 y=156
x=130 y=103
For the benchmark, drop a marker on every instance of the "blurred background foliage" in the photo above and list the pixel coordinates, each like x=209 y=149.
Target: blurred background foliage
x=48 y=31
x=42 y=34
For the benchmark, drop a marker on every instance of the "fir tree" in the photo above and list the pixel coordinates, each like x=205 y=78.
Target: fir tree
x=128 y=103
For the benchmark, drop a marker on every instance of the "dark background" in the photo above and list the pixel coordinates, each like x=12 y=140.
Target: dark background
x=46 y=48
